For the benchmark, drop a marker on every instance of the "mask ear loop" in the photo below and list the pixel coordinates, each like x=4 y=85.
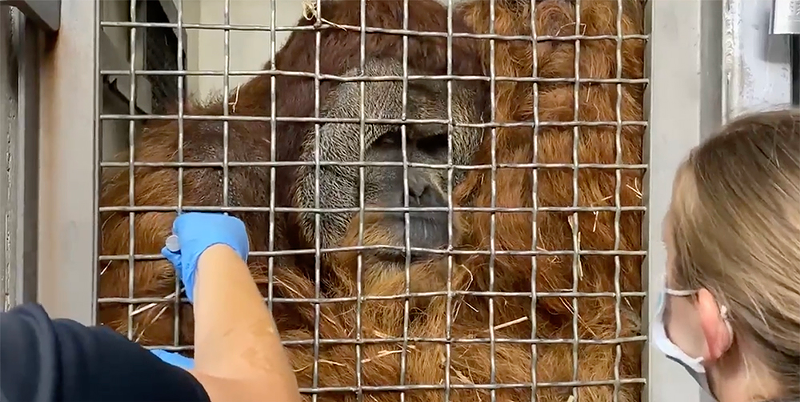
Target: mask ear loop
x=680 y=293
x=723 y=313
x=675 y=292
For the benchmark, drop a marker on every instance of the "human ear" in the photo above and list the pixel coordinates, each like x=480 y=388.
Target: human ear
x=712 y=322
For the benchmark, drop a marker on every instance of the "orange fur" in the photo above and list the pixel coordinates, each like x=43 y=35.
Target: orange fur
x=470 y=362
x=382 y=321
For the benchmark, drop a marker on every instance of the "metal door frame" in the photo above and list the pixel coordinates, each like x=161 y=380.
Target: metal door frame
x=26 y=26
x=756 y=65
x=685 y=106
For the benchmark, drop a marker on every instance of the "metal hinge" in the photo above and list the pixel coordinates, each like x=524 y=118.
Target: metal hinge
x=44 y=13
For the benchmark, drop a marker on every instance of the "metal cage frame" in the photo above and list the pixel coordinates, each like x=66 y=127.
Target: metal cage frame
x=56 y=266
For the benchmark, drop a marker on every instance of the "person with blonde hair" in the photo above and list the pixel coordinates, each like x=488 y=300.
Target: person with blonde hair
x=730 y=311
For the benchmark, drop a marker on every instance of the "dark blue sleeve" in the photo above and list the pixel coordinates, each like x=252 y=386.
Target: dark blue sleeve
x=61 y=360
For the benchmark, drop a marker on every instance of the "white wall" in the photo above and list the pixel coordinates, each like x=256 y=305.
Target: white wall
x=249 y=50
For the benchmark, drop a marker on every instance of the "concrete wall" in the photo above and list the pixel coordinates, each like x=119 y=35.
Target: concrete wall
x=249 y=50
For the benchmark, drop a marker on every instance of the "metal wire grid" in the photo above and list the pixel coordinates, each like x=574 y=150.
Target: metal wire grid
x=161 y=53
x=450 y=293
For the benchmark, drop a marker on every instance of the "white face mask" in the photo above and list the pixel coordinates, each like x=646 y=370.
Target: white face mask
x=659 y=338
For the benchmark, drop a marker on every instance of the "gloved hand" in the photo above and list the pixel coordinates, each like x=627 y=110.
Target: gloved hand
x=197 y=231
x=174 y=359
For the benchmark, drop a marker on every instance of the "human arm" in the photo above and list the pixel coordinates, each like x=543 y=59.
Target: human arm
x=235 y=336
x=234 y=331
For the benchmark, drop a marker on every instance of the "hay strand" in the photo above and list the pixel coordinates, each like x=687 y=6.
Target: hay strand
x=151 y=305
x=576 y=241
x=510 y=323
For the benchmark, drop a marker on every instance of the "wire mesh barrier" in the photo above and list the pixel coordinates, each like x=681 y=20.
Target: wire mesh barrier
x=444 y=201
x=161 y=46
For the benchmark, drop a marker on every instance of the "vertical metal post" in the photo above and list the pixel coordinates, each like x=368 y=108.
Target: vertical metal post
x=68 y=172
x=8 y=107
x=22 y=39
x=25 y=159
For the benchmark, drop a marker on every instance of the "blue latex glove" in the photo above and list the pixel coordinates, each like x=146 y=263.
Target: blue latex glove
x=198 y=231
x=174 y=359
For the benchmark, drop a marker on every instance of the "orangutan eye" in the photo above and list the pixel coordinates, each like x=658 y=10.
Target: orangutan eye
x=434 y=144
x=390 y=139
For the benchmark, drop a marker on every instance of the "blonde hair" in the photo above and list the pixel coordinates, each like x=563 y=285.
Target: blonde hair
x=735 y=217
